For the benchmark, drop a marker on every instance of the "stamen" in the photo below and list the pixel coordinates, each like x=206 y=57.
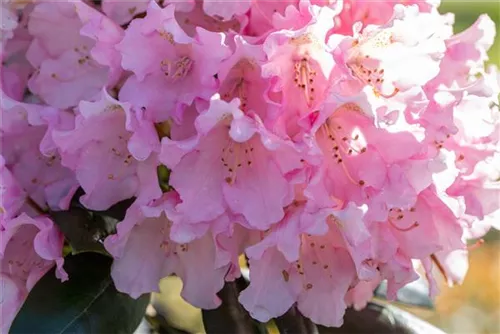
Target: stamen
x=349 y=177
x=178 y=69
x=397 y=214
x=239 y=90
x=331 y=130
x=348 y=143
x=167 y=35
x=475 y=245
x=404 y=229
x=233 y=157
x=304 y=77
x=378 y=93
x=440 y=267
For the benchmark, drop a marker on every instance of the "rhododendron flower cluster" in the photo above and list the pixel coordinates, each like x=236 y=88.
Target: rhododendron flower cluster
x=334 y=143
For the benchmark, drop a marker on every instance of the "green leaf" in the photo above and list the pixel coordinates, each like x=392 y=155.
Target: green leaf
x=83 y=230
x=230 y=317
x=87 y=303
x=117 y=211
x=158 y=324
x=163 y=178
x=292 y=322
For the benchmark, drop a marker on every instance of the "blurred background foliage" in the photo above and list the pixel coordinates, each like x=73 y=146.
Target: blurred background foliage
x=466 y=13
x=472 y=308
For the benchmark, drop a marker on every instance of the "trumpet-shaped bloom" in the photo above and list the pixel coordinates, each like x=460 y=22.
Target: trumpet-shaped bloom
x=29 y=248
x=233 y=160
x=77 y=61
x=96 y=149
x=335 y=144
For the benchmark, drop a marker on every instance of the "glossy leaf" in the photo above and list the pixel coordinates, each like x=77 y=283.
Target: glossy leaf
x=83 y=230
x=87 y=303
x=230 y=316
x=116 y=211
x=292 y=322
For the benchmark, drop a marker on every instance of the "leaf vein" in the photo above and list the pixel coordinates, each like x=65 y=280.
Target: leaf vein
x=85 y=309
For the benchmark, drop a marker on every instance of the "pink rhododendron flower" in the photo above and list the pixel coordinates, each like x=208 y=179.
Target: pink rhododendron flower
x=226 y=9
x=29 y=248
x=123 y=12
x=374 y=12
x=29 y=152
x=145 y=232
x=240 y=77
x=322 y=274
x=9 y=22
x=96 y=149
x=387 y=57
x=233 y=157
x=480 y=190
x=71 y=59
x=12 y=194
x=176 y=76
x=261 y=15
x=335 y=144
x=351 y=165
x=301 y=63
x=192 y=15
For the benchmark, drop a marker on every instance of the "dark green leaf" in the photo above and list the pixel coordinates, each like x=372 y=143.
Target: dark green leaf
x=117 y=211
x=230 y=317
x=75 y=201
x=292 y=322
x=83 y=230
x=87 y=303
x=159 y=325
x=86 y=229
x=151 y=326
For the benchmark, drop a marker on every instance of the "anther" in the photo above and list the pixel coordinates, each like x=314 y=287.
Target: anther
x=475 y=245
x=404 y=229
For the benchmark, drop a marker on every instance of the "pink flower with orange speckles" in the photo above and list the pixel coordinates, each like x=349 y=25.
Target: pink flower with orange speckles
x=334 y=143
